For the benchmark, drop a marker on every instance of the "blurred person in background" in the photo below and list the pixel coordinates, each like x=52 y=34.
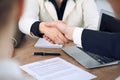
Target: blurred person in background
x=10 y=11
x=9 y=34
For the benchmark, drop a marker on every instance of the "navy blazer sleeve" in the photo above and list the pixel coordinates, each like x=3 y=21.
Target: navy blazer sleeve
x=102 y=43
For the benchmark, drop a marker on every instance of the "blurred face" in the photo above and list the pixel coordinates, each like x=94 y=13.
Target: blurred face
x=116 y=7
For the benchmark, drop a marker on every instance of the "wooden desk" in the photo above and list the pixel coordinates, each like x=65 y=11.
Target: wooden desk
x=23 y=55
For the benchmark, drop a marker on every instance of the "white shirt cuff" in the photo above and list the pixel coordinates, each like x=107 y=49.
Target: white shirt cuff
x=77 y=34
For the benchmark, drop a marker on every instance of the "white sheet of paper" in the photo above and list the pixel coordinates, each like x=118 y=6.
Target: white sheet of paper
x=42 y=43
x=56 y=69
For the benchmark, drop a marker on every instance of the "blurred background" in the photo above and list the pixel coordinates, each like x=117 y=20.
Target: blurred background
x=103 y=4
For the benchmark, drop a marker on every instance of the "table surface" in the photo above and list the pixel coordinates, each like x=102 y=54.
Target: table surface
x=23 y=55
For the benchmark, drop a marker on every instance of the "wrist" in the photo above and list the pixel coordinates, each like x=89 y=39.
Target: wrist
x=41 y=27
x=69 y=32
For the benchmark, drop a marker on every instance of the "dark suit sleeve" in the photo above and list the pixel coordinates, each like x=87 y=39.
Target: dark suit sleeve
x=102 y=43
x=35 y=29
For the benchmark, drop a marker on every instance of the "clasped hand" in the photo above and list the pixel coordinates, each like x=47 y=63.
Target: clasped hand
x=56 y=32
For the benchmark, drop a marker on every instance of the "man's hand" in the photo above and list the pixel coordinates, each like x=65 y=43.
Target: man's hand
x=52 y=33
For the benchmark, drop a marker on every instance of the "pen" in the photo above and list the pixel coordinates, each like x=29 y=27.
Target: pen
x=46 y=54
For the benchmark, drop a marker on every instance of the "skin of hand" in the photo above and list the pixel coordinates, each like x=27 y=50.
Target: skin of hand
x=63 y=28
x=49 y=40
x=54 y=35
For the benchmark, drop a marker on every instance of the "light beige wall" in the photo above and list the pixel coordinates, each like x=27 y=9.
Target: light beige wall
x=103 y=4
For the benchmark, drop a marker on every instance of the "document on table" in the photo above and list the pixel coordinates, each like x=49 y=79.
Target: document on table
x=42 y=43
x=56 y=69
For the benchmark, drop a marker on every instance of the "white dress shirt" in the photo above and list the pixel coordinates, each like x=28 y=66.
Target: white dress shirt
x=77 y=35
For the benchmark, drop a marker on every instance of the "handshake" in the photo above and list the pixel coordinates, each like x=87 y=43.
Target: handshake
x=56 y=32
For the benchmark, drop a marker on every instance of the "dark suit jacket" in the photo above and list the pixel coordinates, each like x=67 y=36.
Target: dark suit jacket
x=102 y=43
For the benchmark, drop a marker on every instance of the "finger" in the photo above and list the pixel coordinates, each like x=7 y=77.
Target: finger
x=63 y=38
x=45 y=37
x=48 y=39
x=51 y=39
x=52 y=42
x=58 y=41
